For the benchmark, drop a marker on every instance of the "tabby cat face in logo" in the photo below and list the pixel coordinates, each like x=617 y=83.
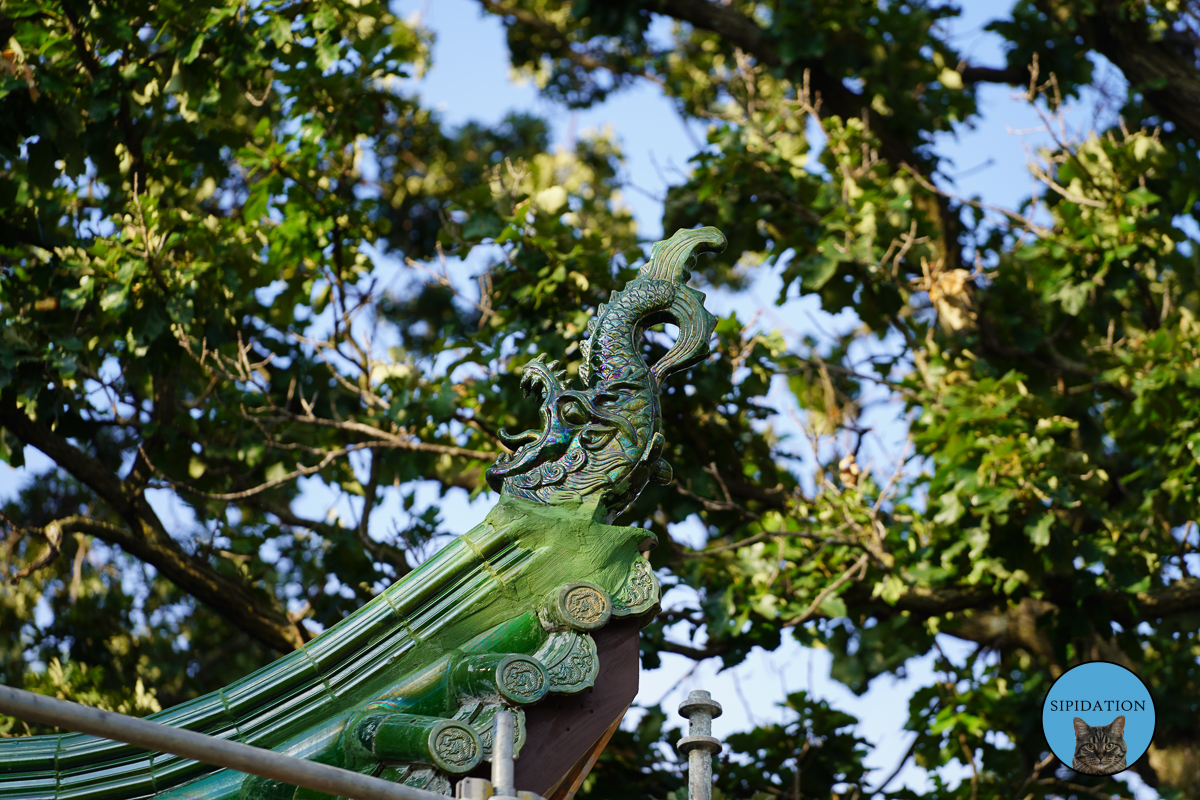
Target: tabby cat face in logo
x=1100 y=749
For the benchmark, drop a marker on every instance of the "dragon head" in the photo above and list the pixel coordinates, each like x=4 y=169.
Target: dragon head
x=604 y=440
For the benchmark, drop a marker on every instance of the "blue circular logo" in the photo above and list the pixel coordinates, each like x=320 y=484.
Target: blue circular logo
x=1098 y=718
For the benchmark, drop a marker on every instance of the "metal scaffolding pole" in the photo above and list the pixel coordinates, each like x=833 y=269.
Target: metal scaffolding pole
x=206 y=749
x=502 y=755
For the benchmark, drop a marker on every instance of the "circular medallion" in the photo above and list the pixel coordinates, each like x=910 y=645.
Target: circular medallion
x=584 y=606
x=455 y=747
x=522 y=680
x=1098 y=718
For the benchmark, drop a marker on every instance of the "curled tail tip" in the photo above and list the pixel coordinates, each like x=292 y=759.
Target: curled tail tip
x=671 y=259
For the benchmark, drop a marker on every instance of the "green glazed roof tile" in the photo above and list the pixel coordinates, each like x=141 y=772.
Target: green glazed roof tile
x=24 y=754
x=33 y=787
x=77 y=750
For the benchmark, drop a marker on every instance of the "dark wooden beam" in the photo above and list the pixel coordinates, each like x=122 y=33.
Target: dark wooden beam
x=564 y=735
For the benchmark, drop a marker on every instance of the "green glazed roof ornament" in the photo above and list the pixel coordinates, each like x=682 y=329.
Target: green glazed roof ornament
x=406 y=687
x=601 y=444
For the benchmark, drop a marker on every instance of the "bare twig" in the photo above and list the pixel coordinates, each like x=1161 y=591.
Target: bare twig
x=53 y=534
x=859 y=566
x=1024 y=222
x=831 y=537
x=1037 y=768
x=899 y=766
x=1068 y=786
x=300 y=472
x=1051 y=184
x=967 y=751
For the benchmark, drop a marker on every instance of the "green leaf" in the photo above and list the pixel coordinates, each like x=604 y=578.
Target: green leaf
x=834 y=606
x=816 y=272
x=193 y=51
x=12 y=451
x=256 y=206
x=952 y=509
x=114 y=297
x=280 y=28
x=325 y=18
x=1141 y=197
x=327 y=51
x=1039 y=531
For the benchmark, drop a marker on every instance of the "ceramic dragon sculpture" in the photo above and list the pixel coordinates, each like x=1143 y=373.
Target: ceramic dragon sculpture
x=406 y=687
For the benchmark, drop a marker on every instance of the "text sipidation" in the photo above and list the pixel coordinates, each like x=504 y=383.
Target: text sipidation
x=1097 y=705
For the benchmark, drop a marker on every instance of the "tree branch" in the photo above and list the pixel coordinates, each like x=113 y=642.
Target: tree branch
x=1011 y=75
x=1163 y=601
x=1163 y=68
x=86 y=56
x=859 y=566
x=694 y=653
x=52 y=533
x=385 y=438
x=836 y=100
x=148 y=540
x=1014 y=625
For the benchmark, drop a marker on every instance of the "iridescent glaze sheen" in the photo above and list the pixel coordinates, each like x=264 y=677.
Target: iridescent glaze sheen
x=603 y=442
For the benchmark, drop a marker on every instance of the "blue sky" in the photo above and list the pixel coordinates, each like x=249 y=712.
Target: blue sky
x=470 y=80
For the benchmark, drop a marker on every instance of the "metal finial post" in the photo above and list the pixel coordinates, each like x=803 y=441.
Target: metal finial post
x=699 y=744
x=502 y=755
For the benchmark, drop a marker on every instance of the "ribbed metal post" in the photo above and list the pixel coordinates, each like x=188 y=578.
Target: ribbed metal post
x=502 y=755
x=206 y=749
x=473 y=789
x=699 y=744
x=480 y=789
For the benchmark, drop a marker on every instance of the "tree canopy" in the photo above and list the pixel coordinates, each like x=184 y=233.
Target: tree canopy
x=194 y=198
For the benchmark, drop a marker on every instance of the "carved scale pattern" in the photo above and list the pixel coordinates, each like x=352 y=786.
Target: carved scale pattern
x=640 y=594
x=571 y=661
